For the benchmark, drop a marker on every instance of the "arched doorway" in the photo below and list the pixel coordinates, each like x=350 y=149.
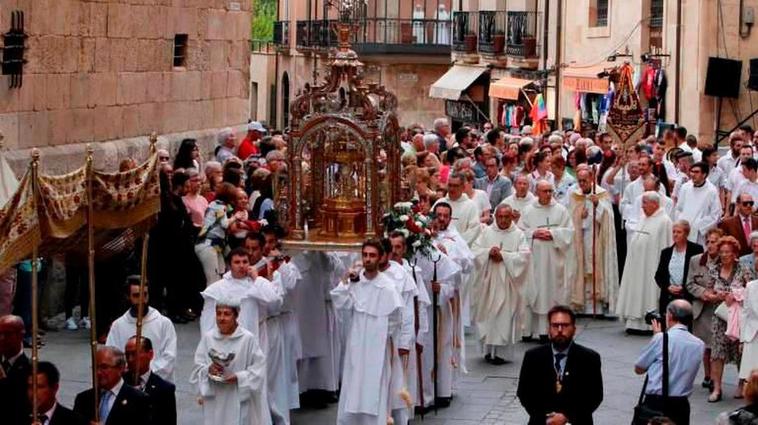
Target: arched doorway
x=286 y=99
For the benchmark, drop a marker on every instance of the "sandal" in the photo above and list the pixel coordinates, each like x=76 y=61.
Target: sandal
x=714 y=397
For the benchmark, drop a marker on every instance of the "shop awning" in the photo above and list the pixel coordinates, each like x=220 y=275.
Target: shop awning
x=508 y=88
x=585 y=79
x=455 y=81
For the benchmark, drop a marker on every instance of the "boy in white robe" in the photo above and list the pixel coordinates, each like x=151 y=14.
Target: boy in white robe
x=231 y=393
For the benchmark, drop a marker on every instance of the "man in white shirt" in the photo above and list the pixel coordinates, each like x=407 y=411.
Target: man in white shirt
x=737 y=176
x=698 y=203
x=155 y=326
x=728 y=162
x=465 y=212
x=749 y=185
x=521 y=197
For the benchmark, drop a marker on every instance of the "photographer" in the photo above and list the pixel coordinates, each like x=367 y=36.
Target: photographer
x=684 y=354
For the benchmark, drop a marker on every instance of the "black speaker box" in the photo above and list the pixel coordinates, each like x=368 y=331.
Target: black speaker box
x=752 y=82
x=723 y=78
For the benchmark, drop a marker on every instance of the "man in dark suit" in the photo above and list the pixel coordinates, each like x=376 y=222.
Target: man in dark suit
x=742 y=223
x=118 y=403
x=496 y=186
x=671 y=289
x=49 y=411
x=560 y=382
x=161 y=392
x=14 y=368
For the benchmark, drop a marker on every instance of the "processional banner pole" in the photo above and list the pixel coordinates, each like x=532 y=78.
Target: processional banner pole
x=35 y=285
x=91 y=281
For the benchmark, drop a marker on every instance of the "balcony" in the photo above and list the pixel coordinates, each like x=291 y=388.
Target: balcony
x=521 y=42
x=465 y=28
x=380 y=36
x=492 y=29
x=282 y=35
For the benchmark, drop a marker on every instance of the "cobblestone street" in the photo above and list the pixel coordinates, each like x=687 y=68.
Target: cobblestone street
x=486 y=396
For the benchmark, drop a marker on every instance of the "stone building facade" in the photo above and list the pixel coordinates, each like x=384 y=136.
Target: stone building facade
x=106 y=71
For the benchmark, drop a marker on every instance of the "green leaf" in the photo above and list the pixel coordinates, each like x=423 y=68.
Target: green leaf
x=264 y=15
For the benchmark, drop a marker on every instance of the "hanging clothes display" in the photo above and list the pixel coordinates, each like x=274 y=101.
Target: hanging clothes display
x=539 y=115
x=661 y=84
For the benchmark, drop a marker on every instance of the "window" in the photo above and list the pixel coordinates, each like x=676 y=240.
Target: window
x=180 y=50
x=656 y=26
x=598 y=13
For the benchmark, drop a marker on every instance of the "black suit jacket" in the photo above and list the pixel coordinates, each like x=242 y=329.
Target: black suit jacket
x=582 y=385
x=131 y=407
x=13 y=402
x=162 y=398
x=663 y=278
x=65 y=416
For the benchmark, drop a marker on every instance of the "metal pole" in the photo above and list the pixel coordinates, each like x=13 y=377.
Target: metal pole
x=594 y=246
x=419 y=369
x=140 y=306
x=35 y=298
x=558 y=53
x=435 y=300
x=91 y=283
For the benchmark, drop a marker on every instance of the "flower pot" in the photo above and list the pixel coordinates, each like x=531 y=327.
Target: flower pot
x=469 y=41
x=498 y=43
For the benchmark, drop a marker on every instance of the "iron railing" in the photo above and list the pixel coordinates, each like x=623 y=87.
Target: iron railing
x=656 y=14
x=465 y=28
x=263 y=46
x=492 y=28
x=522 y=35
x=282 y=33
x=317 y=34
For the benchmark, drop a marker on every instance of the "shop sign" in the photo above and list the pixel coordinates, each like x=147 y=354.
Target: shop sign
x=461 y=111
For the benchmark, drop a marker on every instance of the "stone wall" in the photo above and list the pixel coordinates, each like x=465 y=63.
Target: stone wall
x=103 y=70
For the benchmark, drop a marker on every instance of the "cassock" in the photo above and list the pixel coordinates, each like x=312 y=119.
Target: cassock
x=519 y=204
x=639 y=292
x=546 y=285
x=319 y=365
x=283 y=347
x=452 y=347
x=422 y=302
x=579 y=262
x=371 y=360
x=701 y=207
x=161 y=332
x=465 y=217
x=448 y=275
x=497 y=292
x=237 y=403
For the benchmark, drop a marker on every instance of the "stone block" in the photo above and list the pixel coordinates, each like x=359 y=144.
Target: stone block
x=216 y=25
x=40 y=18
x=57 y=22
x=32 y=84
x=205 y=85
x=82 y=130
x=218 y=55
x=206 y=113
x=108 y=125
x=72 y=17
x=32 y=129
x=120 y=22
x=81 y=85
x=155 y=89
x=194 y=115
x=131 y=88
x=9 y=128
x=152 y=117
x=104 y=89
x=219 y=112
x=8 y=97
x=175 y=116
x=59 y=126
x=130 y=120
x=237 y=111
x=219 y=82
x=230 y=25
x=185 y=22
x=70 y=54
x=242 y=25
x=118 y=54
x=84 y=24
x=38 y=86
x=132 y=54
x=236 y=84
x=34 y=62
x=98 y=25
x=193 y=85
x=238 y=54
x=102 y=55
x=87 y=54
x=58 y=91
x=139 y=20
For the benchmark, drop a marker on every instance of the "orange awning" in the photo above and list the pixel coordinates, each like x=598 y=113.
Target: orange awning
x=585 y=79
x=508 y=88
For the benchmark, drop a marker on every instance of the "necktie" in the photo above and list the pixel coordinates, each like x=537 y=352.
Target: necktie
x=43 y=419
x=6 y=366
x=558 y=371
x=746 y=227
x=105 y=408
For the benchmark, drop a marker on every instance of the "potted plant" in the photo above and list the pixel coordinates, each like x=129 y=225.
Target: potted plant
x=469 y=41
x=498 y=41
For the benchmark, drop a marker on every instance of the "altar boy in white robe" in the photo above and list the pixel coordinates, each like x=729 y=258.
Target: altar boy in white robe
x=371 y=360
x=548 y=228
x=502 y=260
x=452 y=355
x=231 y=392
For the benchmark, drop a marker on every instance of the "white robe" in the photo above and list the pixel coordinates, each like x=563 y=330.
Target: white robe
x=579 y=261
x=519 y=204
x=415 y=370
x=547 y=285
x=749 y=330
x=465 y=217
x=161 y=332
x=497 y=291
x=238 y=403
x=701 y=207
x=639 y=293
x=371 y=357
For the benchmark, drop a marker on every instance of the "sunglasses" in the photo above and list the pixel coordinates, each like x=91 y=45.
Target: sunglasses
x=748 y=203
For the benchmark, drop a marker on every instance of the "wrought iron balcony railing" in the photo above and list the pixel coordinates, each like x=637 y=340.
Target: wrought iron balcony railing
x=492 y=29
x=316 y=34
x=521 y=41
x=282 y=33
x=465 y=29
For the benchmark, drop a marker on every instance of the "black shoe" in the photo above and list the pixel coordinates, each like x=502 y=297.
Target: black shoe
x=498 y=361
x=442 y=402
x=178 y=319
x=488 y=358
x=309 y=400
x=707 y=383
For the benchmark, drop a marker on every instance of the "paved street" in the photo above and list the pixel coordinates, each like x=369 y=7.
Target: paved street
x=486 y=396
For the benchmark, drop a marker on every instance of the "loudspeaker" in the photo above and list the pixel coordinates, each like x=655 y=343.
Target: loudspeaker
x=723 y=78
x=752 y=83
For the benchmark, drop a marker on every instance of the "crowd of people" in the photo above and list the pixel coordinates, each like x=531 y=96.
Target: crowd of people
x=527 y=232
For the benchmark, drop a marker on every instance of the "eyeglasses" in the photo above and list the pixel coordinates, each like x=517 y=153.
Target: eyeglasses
x=748 y=203
x=561 y=325
x=163 y=158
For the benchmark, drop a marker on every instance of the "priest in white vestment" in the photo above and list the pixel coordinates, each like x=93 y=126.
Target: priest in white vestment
x=699 y=203
x=501 y=264
x=371 y=362
x=593 y=250
x=155 y=326
x=465 y=212
x=635 y=188
x=521 y=197
x=231 y=394
x=639 y=293
x=549 y=230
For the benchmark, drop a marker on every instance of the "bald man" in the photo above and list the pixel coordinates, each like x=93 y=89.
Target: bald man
x=14 y=368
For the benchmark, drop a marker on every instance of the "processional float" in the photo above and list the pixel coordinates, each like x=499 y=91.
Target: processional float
x=106 y=212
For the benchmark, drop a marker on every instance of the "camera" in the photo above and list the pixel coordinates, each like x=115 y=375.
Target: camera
x=653 y=315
